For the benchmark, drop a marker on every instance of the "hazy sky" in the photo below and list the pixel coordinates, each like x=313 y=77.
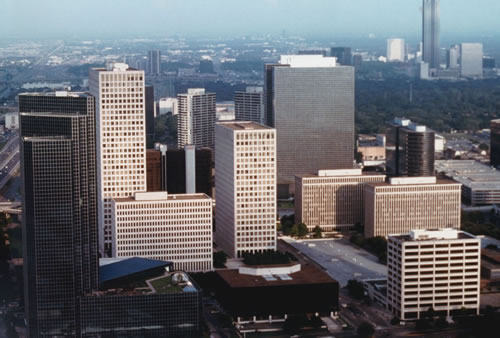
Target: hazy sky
x=322 y=18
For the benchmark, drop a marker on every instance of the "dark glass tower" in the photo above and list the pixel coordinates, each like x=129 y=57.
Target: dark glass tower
x=430 y=33
x=149 y=97
x=58 y=163
x=409 y=149
x=343 y=55
x=310 y=102
x=495 y=143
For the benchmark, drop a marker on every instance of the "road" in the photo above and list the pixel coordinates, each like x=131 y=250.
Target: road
x=9 y=168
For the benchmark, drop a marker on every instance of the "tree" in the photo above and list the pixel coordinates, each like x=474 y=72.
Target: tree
x=359 y=157
x=356 y=289
x=302 y=230
x=365 y=329
x=220 y=259
x=317 y=232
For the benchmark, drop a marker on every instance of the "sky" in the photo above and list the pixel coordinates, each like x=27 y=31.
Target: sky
x=227 y=18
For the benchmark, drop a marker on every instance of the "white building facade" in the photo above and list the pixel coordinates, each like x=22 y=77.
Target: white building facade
x=245 y=181
x=396 y=50
x=249 y=105
x=121 y=140
x=438 y=269
x=162 y=226
x=471 y=60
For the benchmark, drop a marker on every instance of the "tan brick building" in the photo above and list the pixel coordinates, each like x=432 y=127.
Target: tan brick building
x=409 y=203
x=331 y=199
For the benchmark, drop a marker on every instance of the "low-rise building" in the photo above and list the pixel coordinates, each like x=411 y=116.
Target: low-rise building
x=433 y=269
x=158 y=225
x=332 y=199
x=376 y=290
x=490 y=264
x=407 y=203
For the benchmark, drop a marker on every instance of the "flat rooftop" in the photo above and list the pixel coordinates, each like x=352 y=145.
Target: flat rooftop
x=308 y=61
x=440 y=181
x=243 y=125
x=470 y=173
x=433 y=235
x=61 y=93
x=307 y=275
x=169 y=197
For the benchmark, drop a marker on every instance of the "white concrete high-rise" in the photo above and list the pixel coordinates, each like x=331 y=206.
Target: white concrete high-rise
x=438 y=269
x=245 y=181
x=249 y=105
x=396 y=50
x=471 y=60
x=452 y=57
x=196 y=121
x=121 y=139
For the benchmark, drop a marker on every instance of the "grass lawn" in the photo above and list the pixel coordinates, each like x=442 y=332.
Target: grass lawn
x=165 y=285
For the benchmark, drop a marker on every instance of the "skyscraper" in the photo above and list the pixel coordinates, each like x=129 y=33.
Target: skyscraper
x=453 y=55
x=245 y=181
x=149 y=99
x=471 y=60
x=396 y=50
x=121 y=139
x=495 y=143
x=343 y=55
x=58 y=161
x=249 y=105
x=196 y=120
x=154 y=61
x=431 y=33
x=310 y=102
x=409 y=149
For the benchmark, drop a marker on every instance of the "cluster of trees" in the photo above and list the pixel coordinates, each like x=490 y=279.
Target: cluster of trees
x=290 y=228
x=478 y=223
x=375 y=245
x=441 y=105
x=220 y=259
x=356 y=289
x=268 y=257
x=166 y=130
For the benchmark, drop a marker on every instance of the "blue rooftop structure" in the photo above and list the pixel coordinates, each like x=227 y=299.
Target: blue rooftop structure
x=129 y=268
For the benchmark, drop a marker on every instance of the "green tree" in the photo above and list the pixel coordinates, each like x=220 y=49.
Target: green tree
x=359 y=157
x=484 y=146
x=317 y=232
x=302 y=230
x=356 y=289
x=220 y=259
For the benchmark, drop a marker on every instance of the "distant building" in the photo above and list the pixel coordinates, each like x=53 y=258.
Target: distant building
x=312 y=52
x=471 y=60
x=433 y=269
x=245 y=181
x=154 y=62
x=12 y=120
x=149 y=100
x=331 y=199
x=249 y=105
x=396 y=50
x=310 y=102
x=489 y=62
x=343 y=55
x=263 y=294
x=196 y=120
x=206 y=66
x=357 y=60
x=409 y=149
x=481 y=183
x=439 y=143
x=168 y=105
x=424 y=70
x=490 y=264
x=407 y=203
x=431 y=33
x=372 y=155
x=495 y=143
x=163 y=226
x=453 y=57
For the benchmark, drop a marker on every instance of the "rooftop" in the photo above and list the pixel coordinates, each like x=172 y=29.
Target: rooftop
x=409 y=125
x=58 y=94
x=160 y=196
x=308 y=274
x=433 y=234
x=442 y=181
x=127 y=267
x=244 y=125
x=340 y=173
x=116 y=67
x=470 y=173
x=308 y=61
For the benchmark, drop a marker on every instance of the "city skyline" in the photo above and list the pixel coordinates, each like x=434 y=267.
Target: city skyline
x=318 y=18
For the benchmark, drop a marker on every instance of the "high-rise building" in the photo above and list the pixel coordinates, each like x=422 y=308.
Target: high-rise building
x=431 y=33
x=149 y=100
x=245 y=180
x=409 y=149
x=471 y=60
x=495 y=143
x=332 y=199
x=154 y=62
x=453 y=57
x=163 y=226
x=206 y=66
x=396 y=50
x=121 y=139
x=310 y=102
x=489 y=62
x=58 y=161
x=343 y=55
x=408 y=203
x=357 y=60
x=249 y=105
x=196 y=120
x=436 y=269
x=313 y=52
x=154 y=170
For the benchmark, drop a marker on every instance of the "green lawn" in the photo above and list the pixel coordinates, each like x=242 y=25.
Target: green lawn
x=165 y=285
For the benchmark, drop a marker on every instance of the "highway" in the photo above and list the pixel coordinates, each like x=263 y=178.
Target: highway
x=9 y=165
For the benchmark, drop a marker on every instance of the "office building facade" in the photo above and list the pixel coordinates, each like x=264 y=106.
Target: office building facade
x=409 y=203
x=471 y=60
x=343 y=55
x=310 y=103
x=196 y=120
x=431 y=33
x=396 y=50
x=154 y=62
x=121 y=139
x=154 y=170
x=162 y=226
x=58 y=161
x=149 y=100
x=332 y=199
x=245 y=181
x=249 y=105
x=409 y=149
x=453 y=57
x=438 y=269
x=495 y=143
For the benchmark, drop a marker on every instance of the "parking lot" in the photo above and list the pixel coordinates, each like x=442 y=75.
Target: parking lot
x=341 y=259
